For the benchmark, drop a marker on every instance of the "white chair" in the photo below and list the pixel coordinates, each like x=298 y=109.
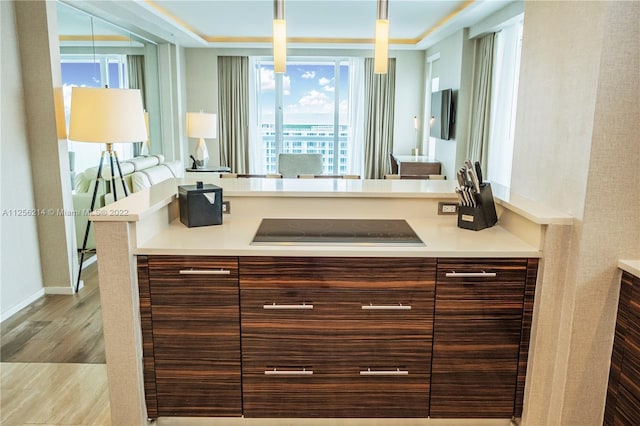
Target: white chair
x=292 y=165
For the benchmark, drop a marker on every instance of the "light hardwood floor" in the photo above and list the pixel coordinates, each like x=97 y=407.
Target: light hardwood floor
x=53 y=368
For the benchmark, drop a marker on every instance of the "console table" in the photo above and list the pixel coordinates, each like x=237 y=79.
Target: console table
x=417 y=165
x=218 y=169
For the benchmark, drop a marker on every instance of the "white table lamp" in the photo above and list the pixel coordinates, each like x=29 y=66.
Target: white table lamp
x=201 y=125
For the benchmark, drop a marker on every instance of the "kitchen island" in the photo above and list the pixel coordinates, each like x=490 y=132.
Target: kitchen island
x=141 y=236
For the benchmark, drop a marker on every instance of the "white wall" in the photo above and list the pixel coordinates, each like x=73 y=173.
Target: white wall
x=454 y=70
x=202 y=88
x=577 y=149
x=20 y=273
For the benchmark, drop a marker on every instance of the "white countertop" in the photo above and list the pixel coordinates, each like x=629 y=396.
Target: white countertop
x=630 y=266
x=139 y=204
x=442 y=238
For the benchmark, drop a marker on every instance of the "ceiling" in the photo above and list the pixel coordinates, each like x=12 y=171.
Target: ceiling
x=413 y=24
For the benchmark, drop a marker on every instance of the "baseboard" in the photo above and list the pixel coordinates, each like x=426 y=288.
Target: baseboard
x=61 y=290
x=23 y=304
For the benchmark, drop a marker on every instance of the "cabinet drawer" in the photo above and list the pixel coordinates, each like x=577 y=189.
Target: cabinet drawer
x=195 y=268
x=335 y=391
x=327 y=272
x=206 y=340
x=260 y=353
x=330 y=313
x=468 y=291
x=198 y=388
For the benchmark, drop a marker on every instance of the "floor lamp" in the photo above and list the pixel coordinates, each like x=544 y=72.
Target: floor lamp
x=105 y=116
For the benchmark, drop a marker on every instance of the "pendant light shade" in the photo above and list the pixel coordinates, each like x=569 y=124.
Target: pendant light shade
x=279 y=37
x=381 y=54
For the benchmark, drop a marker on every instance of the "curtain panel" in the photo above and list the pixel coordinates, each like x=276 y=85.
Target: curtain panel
x=135 y=74
x=481 y=101
x=233 y=112
x=379 y=96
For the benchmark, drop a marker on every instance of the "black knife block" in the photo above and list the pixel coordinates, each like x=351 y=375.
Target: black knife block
x=483 y=215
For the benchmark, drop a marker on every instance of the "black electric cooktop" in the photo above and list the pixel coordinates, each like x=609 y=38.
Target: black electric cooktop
x=383 y=232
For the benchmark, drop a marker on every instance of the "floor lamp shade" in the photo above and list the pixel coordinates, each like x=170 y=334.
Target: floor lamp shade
x=103 y=115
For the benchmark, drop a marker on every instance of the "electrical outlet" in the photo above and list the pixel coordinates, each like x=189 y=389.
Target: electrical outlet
x=226 y=207
x=447 y=208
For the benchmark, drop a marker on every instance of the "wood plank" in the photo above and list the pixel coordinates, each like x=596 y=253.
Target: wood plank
x=58 y=328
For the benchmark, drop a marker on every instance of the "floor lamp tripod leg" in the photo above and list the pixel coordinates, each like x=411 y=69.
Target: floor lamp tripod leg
x=87 y=229
x=124 y=185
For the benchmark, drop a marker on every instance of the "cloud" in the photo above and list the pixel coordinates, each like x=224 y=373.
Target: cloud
x=268 y=81
x=328 y=88
x=314 y=102
x=308 y=75
x=323 y=81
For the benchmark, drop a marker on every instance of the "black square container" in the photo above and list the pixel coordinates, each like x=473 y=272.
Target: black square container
x=200 y=205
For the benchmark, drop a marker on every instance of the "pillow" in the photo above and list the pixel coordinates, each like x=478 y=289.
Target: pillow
x=141 y=163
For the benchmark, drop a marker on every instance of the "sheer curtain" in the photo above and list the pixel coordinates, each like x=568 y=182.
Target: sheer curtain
x=503 y=105
x=233 y=112
x=256 y=148
x=135 y=73
x=379 y=98
x=481 y=101
x=355 y=146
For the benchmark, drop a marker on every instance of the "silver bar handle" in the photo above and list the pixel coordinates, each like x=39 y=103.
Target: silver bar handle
x=396 y=372
x=483 y=274
x=398 y=307
x=205 y=272
x=276 y=372
x=276 y=306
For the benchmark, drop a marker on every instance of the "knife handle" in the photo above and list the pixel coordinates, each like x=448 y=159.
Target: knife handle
x=479 y=172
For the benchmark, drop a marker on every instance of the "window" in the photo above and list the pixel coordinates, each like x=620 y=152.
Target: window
x=308 y=109
x=92 y=71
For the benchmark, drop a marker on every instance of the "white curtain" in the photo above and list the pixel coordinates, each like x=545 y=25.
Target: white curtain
x=135 y=75
x=481 y=101
x=503 y=104
x=256 y=146
x=355 y=145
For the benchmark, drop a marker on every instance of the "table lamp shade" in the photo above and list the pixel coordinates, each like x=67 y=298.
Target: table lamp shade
x=103 y=115
x=201 y=125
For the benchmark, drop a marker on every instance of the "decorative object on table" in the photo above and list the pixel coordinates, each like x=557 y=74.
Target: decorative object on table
x=201 y=125
x=381 y=52
x=101 y=115
x=279 y=37
x=477 y=209
x=200 y=205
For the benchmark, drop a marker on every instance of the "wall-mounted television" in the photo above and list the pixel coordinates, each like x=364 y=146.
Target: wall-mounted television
x=442 y=122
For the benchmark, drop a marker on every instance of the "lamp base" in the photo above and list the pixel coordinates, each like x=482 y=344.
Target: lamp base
x=202 y=154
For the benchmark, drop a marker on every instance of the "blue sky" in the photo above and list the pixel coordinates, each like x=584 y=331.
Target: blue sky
x=309 y=93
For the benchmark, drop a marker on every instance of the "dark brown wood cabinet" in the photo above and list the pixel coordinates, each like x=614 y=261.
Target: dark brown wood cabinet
x=336 y=337
x=482 y=321
x=191 y=335
x=623 y=394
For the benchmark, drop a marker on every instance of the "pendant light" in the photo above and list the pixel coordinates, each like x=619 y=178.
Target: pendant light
x=382 y=38
x=279 y=37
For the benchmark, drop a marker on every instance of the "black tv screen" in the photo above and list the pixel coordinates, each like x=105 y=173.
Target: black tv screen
x=442 y=115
